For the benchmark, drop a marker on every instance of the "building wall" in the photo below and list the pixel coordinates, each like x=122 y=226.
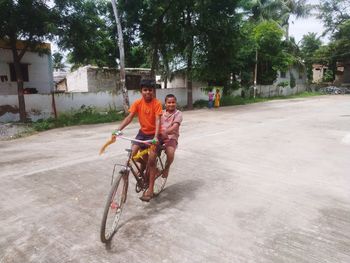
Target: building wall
x=271 y=90
x=77 y=80
x=318 y=72
x=179 y=81
x=39 y=69
x=300 y=76
x=39 y=106
x=94 y=79
x=101 y=79
x=346 y=74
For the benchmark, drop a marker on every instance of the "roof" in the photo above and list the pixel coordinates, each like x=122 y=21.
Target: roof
x=59 y=76
x=20 y=44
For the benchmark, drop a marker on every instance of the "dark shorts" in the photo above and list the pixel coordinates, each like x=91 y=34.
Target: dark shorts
x=143 y=137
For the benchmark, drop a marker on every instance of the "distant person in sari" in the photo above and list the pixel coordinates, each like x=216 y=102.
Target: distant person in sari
x=217 y=99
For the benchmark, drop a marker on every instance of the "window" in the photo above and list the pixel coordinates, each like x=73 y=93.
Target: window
x=283 y=74
x=25 y=73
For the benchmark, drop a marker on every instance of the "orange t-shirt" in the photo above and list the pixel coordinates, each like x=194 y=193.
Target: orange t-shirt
x=147 y=112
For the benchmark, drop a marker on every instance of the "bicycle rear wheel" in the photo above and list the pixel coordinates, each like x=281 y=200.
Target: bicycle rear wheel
x=113 y=208
x=160 y=181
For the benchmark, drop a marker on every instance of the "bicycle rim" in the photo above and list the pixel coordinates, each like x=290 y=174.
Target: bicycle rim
x=113 y=209
x=160 y=181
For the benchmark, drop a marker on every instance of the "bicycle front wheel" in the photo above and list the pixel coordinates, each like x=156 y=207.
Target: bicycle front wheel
x=113 y=208
x=160 y=180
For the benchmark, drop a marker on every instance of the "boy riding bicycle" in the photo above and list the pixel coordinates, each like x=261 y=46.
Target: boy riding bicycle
x=149 y=110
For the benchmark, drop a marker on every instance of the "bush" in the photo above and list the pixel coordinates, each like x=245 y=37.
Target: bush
x=200 y=104
x=85 y=115
x=283 y=84
x=328 y=76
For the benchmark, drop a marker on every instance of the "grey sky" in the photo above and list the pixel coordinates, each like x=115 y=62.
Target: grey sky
x=299 y=27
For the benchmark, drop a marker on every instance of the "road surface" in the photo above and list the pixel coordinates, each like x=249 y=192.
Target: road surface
x=267 y=182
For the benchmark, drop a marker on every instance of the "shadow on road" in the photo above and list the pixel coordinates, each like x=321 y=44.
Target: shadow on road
x=139 y=225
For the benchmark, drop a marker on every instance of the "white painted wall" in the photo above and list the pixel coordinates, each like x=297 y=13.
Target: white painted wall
x=77 y=81
x=300 y=77
x=40 y=72
x=179 y=81
x=271 y=90
x=39 y=106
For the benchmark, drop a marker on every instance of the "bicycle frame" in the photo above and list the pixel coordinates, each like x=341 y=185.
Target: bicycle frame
x=140 y=175
x=117 y=196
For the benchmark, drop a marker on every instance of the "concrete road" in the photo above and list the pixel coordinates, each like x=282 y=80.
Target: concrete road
x=267 y=182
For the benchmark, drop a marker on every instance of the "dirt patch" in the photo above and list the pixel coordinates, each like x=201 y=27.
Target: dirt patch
x=8 y=108
x=10 y=131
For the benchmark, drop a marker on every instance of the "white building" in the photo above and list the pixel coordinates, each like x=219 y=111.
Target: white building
x=94 y=79
x=37 y=70
x=318 y=71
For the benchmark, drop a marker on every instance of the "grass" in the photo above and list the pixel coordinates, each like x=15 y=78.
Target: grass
x=86 y=115
x=231 y=101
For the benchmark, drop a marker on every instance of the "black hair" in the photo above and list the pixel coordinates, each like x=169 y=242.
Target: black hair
x=170 y=96
x=147 y=83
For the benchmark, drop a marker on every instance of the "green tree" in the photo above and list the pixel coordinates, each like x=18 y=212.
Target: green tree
x=272 y=55
x=85 y=31
x=32 y=22
x=57 y=60
x=341 y=40
x=333 y=13
x=298 y=8
x=309 y=44
x=218 y=43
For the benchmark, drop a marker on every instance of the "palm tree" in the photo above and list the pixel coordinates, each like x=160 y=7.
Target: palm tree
x=261 y=10
x=299 y=8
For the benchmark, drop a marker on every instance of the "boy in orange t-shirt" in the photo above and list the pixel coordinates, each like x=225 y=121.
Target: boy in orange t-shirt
x=149 y=111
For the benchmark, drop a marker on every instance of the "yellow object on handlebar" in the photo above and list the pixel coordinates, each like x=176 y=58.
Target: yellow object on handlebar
x=109 y=142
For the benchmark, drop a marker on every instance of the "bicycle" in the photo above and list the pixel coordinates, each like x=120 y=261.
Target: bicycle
x=118 y=193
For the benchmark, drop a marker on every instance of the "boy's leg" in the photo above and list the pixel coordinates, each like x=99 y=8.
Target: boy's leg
x=134 y=149
x=170 y=153
x=152 y=174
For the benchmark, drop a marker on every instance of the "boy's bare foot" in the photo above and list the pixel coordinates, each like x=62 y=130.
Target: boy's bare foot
x=165 y=173
x=146 y=197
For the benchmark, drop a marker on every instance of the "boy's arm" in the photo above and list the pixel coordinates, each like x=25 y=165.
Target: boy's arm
x=126 y=121
x=172 y=128
x=157 y=126
x=176 y=123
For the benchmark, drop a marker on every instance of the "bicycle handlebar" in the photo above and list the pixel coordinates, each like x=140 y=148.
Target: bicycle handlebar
x=147 y=142
x=115 y=136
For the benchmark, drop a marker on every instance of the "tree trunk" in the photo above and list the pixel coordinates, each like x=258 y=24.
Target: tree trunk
x=154 y=61
x=166 y=66
x=122 y=58
x=189 y=76
x=255 y=71
x=189 y=54
x=19 y=76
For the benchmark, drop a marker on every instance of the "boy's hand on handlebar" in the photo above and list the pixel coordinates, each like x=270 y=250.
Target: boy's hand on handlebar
x=117 y=133
x=154 y=141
